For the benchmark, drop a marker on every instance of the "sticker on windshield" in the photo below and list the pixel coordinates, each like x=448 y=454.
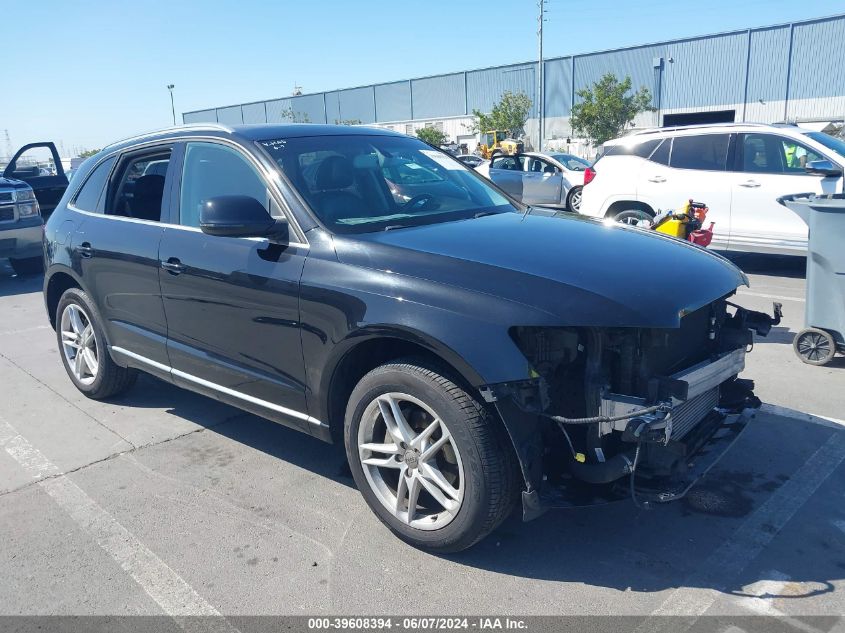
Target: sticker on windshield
x=443 y=161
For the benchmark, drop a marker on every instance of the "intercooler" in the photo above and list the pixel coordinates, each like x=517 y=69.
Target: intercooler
x=689 y=413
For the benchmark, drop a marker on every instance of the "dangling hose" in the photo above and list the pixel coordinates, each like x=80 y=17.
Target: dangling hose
x=663 y=406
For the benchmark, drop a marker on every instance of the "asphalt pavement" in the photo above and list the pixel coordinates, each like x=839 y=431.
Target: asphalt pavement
x=162 y=502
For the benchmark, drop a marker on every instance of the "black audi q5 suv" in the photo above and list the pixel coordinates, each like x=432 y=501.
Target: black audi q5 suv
x=361 y=286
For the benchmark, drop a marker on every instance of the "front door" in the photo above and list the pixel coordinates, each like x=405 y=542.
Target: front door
x=543 y=182
x=39 y=165
x=769 y=166
x=232 y=304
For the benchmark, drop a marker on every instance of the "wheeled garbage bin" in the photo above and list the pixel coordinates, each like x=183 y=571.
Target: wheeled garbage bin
x=824 y=316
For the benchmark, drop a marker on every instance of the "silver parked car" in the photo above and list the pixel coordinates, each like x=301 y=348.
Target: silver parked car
x=542 y=179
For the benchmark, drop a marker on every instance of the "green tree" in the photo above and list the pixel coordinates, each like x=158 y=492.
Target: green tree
x=432 y=136
x=88 y=152
x=607 y=108
x=510 y=113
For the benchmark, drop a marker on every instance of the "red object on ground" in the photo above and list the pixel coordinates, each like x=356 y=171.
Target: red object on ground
x=702 y=237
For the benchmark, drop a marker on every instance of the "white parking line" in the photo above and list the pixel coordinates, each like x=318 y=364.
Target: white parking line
x=763 y=295
x=704 y=586
x=169 y=590
x=26 y=329
x=786 y=412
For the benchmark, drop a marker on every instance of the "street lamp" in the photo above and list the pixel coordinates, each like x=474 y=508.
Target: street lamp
x=170 y=87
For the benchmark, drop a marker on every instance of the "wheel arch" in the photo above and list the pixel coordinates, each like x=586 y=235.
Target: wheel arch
x=55 y=285
x=628 y=205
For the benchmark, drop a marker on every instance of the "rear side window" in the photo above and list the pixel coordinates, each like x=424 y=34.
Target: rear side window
x=512 y=163
x=661 y=154
x=642 y=149
x=707 y=152
x=88 y=197
x=138 y=188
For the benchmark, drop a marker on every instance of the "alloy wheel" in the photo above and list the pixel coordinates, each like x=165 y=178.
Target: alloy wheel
x=411 y=461
x=575 y=201
x=79 y=344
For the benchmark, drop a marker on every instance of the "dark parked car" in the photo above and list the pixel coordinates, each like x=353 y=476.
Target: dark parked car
x=469 y=351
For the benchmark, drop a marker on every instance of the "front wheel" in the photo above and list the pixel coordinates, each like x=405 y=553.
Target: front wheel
x=428 y=458
x=27 y=265
x=573 y=199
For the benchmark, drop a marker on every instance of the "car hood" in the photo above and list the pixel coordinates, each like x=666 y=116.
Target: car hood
x=11 y=183
x=579 y=270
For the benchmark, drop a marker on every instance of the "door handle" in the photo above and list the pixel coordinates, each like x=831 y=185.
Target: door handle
x=173 y=266
x=749 y=183
x=657 y=179
x=85 y=250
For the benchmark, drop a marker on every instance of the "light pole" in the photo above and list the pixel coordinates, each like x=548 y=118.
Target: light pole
x=170 y=87
x=540 y=72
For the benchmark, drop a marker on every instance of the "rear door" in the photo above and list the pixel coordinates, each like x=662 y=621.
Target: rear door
x=542 y=182
x=696 y=169
x=768 y=166
x=507 y=172
x=232 y=303
x=39 y=165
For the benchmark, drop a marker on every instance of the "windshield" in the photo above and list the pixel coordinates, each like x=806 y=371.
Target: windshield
x=360 y=184
x=830 y=142
x=572 y=163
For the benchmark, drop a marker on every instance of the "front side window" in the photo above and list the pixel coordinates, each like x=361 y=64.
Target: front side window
x=88 y=197
x=360 y=183
x=830 y=142
x=770 y=154
x=137 y=193
x=212 y=170
x=704 y=152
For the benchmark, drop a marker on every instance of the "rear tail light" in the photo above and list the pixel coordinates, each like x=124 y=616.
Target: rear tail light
x=589 y=174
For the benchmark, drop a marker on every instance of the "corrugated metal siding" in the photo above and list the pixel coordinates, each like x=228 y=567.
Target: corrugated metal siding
x=485 y=87
x=636 y=63
x=393 y=101
x=309 y=108
x=357 y=104
x=706 y=71
x=332 y=107
x=767 y=65
x=203 y=116
x=230 y=116
x=254 y=113
x=818 y=60
x=558 y=88
x=276 y=111
x=436 y=97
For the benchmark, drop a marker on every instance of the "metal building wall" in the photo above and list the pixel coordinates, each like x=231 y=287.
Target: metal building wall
x=441 y=96
x=767 y=74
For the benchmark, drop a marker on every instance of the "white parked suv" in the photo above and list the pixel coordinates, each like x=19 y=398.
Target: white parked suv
x=738 y=170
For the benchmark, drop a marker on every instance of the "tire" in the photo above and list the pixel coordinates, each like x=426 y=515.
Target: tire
x=573 y=199
x=475 y=459
x=28 y=265
x=814 y=346
x=95 y=373
x=634 y=217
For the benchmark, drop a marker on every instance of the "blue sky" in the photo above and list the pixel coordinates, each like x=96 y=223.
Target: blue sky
x=88 y=72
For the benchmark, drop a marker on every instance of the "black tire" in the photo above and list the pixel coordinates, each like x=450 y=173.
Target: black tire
x=111 y=379
x=814 y=346
x=633 y=216
x=491 y=476
x=28 y=265
x=573 y=199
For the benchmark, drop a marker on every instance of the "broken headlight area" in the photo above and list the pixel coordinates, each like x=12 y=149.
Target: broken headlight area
x=635 y=410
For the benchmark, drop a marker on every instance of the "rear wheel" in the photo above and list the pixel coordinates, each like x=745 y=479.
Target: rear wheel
x=28 y=265
x=814 y=346
x=634 y=217
x=82 y=344
x=427 y=457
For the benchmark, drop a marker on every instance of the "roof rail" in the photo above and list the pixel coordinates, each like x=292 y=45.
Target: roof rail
x=175 y=128
x=675 y=128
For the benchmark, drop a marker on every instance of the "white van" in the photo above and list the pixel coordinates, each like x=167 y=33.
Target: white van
x=738 y=170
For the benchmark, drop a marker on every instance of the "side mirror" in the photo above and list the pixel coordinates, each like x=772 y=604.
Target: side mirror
x=822 y=168
x=238 y=216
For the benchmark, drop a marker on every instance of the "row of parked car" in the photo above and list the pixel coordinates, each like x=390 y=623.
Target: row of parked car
x=739 y=170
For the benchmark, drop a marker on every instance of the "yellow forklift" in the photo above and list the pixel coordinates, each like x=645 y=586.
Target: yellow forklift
x=497 y=142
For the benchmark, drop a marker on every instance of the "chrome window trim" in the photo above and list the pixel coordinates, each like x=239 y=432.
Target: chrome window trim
x=268 y=176
x=211 y=385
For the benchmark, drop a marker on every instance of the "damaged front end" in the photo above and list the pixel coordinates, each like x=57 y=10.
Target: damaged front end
x=614 y=412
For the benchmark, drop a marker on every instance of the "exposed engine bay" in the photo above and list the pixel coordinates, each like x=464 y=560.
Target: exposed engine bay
x=620 y=403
